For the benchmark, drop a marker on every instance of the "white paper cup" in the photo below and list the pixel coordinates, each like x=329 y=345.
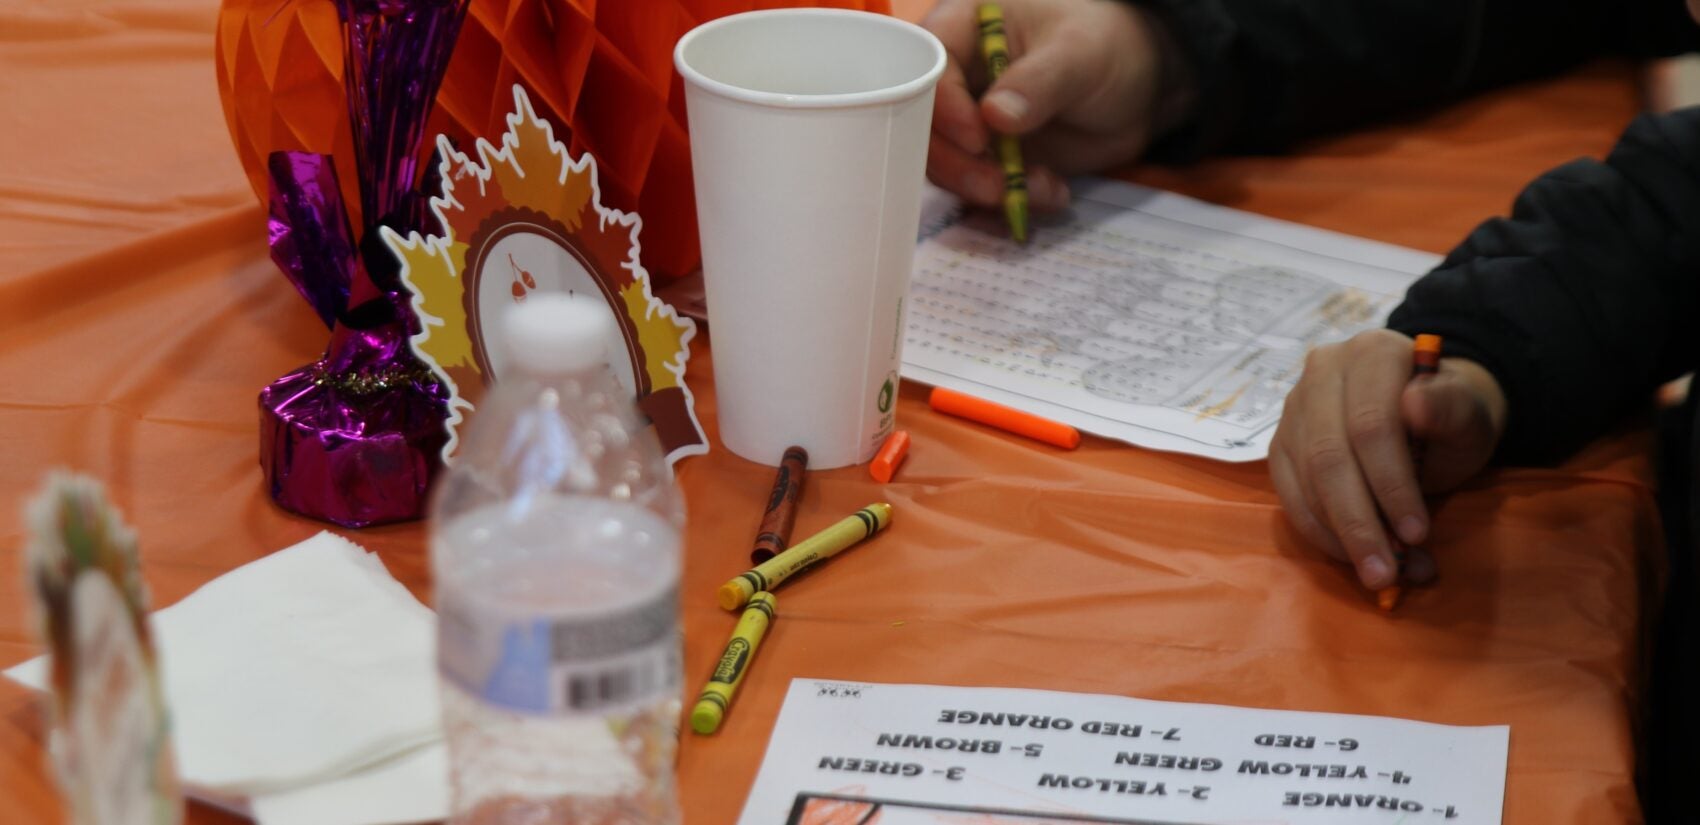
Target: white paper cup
x=809 y=145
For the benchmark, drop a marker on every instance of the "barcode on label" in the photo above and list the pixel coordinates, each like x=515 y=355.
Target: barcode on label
x=591 y=691
x=576 y=664
x=588 y=687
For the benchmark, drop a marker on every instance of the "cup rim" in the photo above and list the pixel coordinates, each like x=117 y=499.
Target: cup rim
x=889 y=94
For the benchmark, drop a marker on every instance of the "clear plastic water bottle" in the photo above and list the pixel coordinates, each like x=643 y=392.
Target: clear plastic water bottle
x=555 y=543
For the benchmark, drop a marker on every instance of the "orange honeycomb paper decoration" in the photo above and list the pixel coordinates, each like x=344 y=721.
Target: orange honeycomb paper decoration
x=601 y=71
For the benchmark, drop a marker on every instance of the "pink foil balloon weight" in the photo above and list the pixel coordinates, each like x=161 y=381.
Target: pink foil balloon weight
x=354 y=437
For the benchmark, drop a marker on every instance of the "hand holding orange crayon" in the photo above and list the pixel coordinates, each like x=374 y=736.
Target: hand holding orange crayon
x=1341 y=459
x=1425 y=361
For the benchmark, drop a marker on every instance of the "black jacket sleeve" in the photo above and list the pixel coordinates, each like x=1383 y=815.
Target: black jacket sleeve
x=1266 y=72
x=1587 y=297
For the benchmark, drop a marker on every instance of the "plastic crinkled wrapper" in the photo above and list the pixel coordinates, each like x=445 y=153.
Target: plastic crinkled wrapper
x=356 y=455
x=354 y=438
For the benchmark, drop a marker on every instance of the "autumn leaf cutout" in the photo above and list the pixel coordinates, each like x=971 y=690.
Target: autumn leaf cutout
x=521 y=218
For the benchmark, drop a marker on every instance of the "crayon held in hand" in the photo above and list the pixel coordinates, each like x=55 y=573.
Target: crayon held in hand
x=804 y=554
x=1009 y=419
x=994 y=47
x=734 y=662
x=1014 y=187
x=1425 y=360
x=774 y=534
x=1387 y=598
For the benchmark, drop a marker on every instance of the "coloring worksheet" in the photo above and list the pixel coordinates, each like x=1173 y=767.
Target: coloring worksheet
x=847 y=753
x=1141 y=315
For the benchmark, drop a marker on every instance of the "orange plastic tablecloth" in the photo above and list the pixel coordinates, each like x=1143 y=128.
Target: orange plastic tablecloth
x=139 y=316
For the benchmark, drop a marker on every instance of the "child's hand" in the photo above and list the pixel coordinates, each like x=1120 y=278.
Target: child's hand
x=1341 y=460
x=1081 y=88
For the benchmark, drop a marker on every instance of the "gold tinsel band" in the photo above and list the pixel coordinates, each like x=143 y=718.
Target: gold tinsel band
x=366 y=383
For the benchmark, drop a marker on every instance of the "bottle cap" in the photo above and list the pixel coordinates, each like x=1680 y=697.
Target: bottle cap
x=553 y=333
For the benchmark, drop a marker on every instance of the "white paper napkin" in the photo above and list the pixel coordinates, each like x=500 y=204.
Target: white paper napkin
x=412 y=787
x=305 y=683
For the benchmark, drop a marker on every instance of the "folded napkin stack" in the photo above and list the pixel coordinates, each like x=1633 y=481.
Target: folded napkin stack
x=303 y=691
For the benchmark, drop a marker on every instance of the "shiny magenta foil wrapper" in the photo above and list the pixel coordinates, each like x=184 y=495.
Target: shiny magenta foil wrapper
x=352 y=457
x=355 y=438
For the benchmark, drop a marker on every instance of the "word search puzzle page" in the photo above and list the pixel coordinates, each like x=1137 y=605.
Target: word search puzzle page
x=1141 y=315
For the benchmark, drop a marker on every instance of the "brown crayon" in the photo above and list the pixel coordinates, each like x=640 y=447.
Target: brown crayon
x=775 y=533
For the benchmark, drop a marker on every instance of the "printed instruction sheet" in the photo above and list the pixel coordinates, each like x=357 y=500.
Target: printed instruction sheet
x=846 y=753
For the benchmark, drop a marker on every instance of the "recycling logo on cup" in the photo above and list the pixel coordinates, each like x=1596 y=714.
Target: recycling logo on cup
x=887 y=392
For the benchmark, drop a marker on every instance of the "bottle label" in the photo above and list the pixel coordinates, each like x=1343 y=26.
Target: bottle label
x=622 y=660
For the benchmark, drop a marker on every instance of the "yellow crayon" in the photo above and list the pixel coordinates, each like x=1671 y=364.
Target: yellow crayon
x=734 y=663
x=816 y=548
x=995 y=47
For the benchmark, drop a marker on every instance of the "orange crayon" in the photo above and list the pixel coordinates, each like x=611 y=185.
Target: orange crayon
x=1387 y=598
x=774 y=535
x=951 y=402
x=891 y=454
x=1425 y=360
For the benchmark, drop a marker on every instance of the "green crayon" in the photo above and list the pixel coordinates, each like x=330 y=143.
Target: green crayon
x=734 y=662
x=995 y=47
x=815 y=549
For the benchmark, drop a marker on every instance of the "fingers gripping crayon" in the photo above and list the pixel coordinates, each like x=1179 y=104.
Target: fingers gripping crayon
x=775 y=532
x=734 y=662
x=804 y=554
